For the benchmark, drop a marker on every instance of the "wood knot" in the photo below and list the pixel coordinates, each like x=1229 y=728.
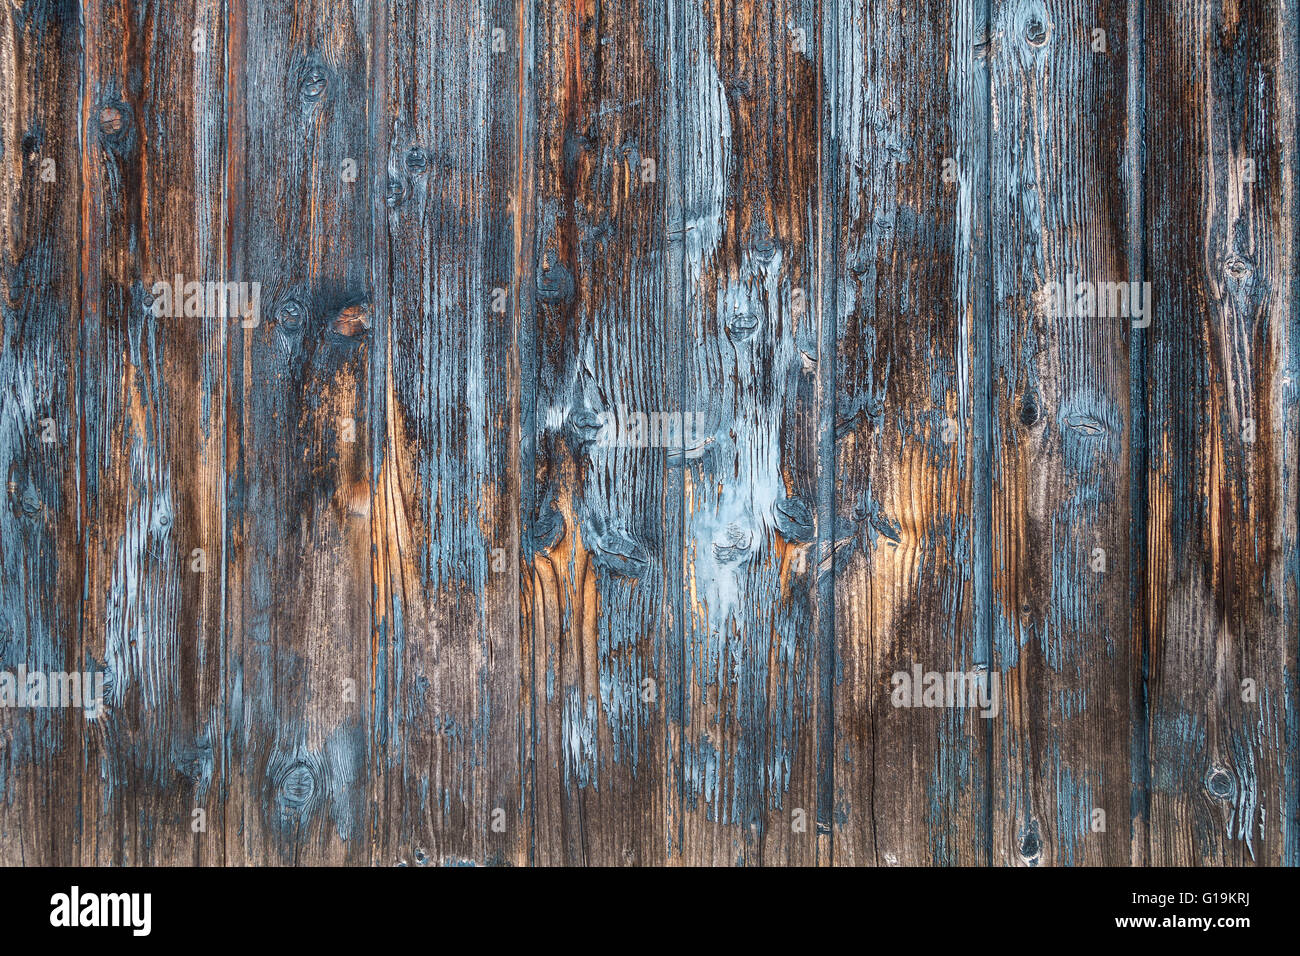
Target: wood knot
x=396 y=192
x=24 y=499
x=111 y=121
x=618 y=553
x=291 y=315
x=1030 y=412
x=114 y=122
x=555 y=284
x=586 y=425
x=1086 y=425
x=353 y=321
x=297 y=787
x=195 y=763
x=763 y=249
x=547 y=528
x=417 y=161
x=1238 y=268
x=1036 y=31
x=314 y=85
x=739 y=541
x=794 y=519
x=739 y=90
x=1220 y=784
x=1031 y=844
x=742 y=325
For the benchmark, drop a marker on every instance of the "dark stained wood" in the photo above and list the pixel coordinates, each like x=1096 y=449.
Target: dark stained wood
x=634 y=391
x=1221 y=252
x=748 y=209
x=911 y=580
x=40 y=566
x=449 y=731
x=299 y=671
x=1062 y=601
x=151 y=397
x=600 y=527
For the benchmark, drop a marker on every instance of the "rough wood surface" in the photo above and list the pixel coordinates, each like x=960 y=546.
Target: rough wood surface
x=749 y=180
x=1223 y=378
x=910 y=429
x=1063 y=627
x=635 y=400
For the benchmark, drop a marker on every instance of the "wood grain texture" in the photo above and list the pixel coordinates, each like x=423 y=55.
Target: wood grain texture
x=1222 y=396
x=600 y=526
x=631 y=399
x=300 y=587
x=151 y=399
x=749 y=181
x=40 y=424
x=1062 y=607
x=448 y=727
x=911 y=581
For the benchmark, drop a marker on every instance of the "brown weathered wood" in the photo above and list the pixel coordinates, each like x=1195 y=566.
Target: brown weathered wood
x=449 y=728
x=599 y=526
x=635 y=392
x=299 y=672
x=1063 y=617
x=748 y=112
x=1221 y=542
x=41 y=437
x=909 y=118
x=149 y=413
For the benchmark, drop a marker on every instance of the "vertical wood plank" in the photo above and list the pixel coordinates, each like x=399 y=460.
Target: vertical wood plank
x=299 y=680
x=40 y=431
x=1222 y=385
x=910 y=130
x=449 y=718
x=599 y=524
x=151 y=405
x=1061 y=432
x=747 y=216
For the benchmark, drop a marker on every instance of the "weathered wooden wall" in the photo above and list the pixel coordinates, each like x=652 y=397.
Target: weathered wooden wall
x=364 y=581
